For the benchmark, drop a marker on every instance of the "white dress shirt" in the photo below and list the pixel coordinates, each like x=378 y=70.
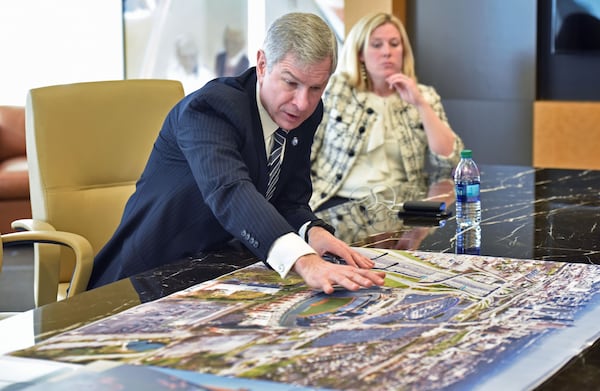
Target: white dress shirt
x=289 y=247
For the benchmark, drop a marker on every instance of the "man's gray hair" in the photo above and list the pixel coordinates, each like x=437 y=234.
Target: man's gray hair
x=303 y=35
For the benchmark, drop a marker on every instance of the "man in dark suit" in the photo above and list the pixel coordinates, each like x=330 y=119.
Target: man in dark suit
x=206 y=179
x=232 y=61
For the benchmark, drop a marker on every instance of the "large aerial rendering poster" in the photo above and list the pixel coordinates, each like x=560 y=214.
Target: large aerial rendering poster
x=441 y=321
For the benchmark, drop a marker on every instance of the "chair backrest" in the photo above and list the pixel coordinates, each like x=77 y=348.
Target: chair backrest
x=87 y=145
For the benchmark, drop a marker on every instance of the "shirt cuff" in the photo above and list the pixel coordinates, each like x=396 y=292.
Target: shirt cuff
x=285 y=252
x=302 y=230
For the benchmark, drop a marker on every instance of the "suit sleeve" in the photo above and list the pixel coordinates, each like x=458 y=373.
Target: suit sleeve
x=222 y=142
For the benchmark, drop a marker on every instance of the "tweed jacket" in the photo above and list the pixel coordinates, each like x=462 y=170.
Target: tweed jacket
x=346 y=125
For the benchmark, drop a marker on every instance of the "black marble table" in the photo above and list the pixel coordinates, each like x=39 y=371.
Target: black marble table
x=527 y=213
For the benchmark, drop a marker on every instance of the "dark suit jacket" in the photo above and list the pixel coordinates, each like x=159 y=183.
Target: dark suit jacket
x=205 y=181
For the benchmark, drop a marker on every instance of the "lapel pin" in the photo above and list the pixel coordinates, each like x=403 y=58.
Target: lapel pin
x=294 y=141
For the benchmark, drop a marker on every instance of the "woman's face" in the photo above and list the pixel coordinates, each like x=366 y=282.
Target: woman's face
x=382 y=54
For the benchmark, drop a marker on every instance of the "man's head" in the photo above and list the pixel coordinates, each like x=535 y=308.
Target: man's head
x=233 y=40
x=186 y=52
x=299 y=55
x=305 y=35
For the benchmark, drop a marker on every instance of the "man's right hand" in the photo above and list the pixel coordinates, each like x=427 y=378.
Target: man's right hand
x=323 y=275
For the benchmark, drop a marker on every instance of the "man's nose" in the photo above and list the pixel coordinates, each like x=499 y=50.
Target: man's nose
x=301 y=99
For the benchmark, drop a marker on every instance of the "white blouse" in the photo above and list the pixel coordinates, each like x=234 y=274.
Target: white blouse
x=379 y=160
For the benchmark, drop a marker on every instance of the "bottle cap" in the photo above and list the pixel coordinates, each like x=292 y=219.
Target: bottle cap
x=466 y=154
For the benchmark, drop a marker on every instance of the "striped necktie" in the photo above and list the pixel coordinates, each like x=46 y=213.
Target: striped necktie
x=274 y=164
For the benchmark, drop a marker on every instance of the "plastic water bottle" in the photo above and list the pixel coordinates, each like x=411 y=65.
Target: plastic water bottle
x=468 y=205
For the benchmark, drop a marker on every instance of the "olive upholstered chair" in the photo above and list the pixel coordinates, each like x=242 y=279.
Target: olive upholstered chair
x=87 y=144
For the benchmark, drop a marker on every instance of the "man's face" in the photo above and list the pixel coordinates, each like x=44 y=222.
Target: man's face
x=291 y=91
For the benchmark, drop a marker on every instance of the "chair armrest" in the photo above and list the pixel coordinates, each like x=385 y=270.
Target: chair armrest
x=31 y=225
x=84 y=255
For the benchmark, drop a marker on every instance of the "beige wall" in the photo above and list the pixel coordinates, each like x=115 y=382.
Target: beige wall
x=565 y=134
x=355 y=9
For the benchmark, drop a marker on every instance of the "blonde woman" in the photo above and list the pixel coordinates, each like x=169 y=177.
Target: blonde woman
x=380 y=126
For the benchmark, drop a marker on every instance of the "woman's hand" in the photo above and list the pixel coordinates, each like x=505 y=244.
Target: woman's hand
x=406 y=87
x=439 y=135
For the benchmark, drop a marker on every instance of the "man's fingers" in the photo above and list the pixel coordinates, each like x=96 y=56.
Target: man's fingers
x=328 y=287
x=357 y=278
x=365 y=263
x=360 y=261
x=319 y=274
x=349 y=283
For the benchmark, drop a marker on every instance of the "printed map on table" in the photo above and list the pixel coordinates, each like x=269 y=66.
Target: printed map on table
x=440 y=321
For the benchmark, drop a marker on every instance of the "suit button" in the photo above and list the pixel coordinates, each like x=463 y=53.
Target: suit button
x=255 y=244
x=243 y=233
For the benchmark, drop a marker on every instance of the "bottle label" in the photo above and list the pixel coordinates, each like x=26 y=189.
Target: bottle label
x=467 y=192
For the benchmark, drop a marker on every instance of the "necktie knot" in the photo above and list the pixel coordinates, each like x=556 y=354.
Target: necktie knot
x=274 y=163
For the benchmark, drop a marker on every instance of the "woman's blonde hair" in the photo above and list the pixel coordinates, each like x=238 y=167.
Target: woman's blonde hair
x=358 y=39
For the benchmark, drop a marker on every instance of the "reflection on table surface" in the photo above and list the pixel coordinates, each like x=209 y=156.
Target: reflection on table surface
x=376 y=220
x=527 y=213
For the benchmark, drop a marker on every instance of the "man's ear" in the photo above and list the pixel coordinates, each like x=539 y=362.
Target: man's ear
x=261 y=64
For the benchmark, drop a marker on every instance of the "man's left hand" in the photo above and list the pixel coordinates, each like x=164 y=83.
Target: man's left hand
x=324 y=242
